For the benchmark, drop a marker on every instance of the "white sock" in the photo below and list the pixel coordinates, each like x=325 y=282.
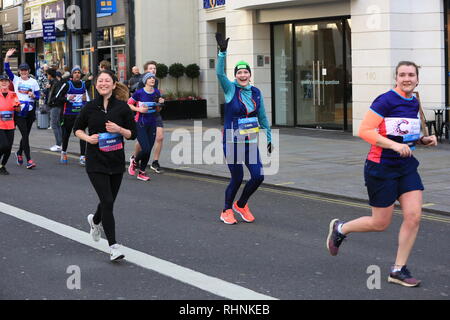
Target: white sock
x=396 y=268
x=339 y=228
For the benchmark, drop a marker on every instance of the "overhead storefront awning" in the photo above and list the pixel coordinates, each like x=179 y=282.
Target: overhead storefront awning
x=33 y=34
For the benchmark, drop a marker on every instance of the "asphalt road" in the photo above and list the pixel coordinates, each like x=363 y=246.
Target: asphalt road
x=175 y=217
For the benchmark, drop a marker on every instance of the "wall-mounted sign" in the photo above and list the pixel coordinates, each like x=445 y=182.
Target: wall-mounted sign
x=49 y=30
x=12 y=20
x=208 y=4
x=36 y=19
x=106 y=6
x=29 y=47
x=54 y=11
x=11 y=3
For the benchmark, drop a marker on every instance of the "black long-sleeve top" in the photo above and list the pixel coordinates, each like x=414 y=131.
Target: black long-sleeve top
x=94 y=118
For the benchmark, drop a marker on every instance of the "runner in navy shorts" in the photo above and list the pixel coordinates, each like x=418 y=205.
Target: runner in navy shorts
x=393 y=127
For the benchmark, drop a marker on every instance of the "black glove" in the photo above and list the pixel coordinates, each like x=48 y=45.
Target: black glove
x=269 y=147
x=223 y=44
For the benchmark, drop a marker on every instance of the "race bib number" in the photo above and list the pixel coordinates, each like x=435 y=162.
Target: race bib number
x=24 y=89
x=6 y=116
x=150 y=105
x=406 y=128
x=248 y=126
x=76 y=99
x=110 y=142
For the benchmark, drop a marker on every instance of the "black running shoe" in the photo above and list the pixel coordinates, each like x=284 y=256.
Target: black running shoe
x=404 y=278
x=335 y=238
x=156 y=167
x=3 y=172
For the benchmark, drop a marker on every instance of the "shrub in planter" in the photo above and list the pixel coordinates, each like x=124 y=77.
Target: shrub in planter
x=193 y=72
x=177 y=70
x=161 y=72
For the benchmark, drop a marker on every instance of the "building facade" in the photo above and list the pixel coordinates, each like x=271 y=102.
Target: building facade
x=319 y=63
x=58 y=33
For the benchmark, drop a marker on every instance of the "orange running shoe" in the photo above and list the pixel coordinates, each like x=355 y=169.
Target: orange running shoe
x=245 y=212
x=228 y=217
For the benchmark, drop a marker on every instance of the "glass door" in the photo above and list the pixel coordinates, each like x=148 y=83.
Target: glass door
x=320 y=75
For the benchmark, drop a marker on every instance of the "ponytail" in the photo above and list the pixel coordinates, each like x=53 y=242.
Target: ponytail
x=121 y=92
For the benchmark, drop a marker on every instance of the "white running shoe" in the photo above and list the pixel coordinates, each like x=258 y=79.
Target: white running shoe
x=56 y=148
x=115 y=254
x=95 y=231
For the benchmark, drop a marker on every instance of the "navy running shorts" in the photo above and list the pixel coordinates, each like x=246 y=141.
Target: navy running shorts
x=159 y=122
x=384 y=191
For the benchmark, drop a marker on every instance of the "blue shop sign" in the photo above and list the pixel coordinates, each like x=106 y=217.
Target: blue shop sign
x=106 y=6
x=49 y=30
x=208 y=4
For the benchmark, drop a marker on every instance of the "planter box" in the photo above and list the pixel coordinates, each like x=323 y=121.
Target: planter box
x=185 y=109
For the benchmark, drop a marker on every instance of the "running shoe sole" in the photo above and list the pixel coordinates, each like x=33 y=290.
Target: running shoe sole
x=402 y=283
x=330 y=234
x=142 y=179
x=156 y=169
x=228 y=223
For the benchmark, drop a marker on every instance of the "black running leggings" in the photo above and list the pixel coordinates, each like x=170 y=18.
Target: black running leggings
x=67 y=127
x=24 y=125
x=6 y=144
x=107 y=187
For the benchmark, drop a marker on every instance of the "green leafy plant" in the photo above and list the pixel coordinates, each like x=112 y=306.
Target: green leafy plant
x=193 y=72
x=177 y=70
x=161 y=72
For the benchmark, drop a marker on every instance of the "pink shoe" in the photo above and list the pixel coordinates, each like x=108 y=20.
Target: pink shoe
x=132 y=167
x=143 y=176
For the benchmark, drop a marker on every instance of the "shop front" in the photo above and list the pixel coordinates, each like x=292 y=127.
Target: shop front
x=111 y=47
x=113 y=41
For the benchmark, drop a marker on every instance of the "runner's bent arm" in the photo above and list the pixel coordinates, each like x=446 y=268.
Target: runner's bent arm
x=368 y=132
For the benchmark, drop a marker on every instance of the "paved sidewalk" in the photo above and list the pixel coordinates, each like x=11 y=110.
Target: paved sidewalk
x=325 y=162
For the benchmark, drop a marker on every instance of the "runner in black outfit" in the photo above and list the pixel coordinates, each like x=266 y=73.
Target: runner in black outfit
x=108 y=121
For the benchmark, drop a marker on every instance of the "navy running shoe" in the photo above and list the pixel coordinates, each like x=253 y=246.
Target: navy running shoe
x=404 y=278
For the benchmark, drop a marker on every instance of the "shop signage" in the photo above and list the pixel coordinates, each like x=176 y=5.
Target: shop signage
x=36 y=19
x=209 y=4
x=29 y=47
x=49 y=30
x=106 y=6
x=11 y=3
x=122 y=66
x=54 y=11
x=12 y=20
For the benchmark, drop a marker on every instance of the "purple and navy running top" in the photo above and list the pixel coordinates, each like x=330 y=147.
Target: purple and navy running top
x=401 y=123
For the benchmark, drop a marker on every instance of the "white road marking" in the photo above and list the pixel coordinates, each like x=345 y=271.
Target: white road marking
x=207 y=283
